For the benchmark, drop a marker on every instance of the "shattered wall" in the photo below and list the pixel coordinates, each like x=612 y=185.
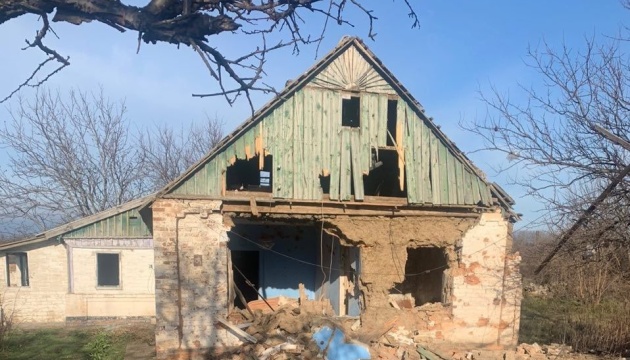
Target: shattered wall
x=481 y=303
x=191 y=275
x=481 y=284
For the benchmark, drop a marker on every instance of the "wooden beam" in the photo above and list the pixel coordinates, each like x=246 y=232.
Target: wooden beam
x=567 y=235
x=238 y=332
x=300 y=209
x=612 y=137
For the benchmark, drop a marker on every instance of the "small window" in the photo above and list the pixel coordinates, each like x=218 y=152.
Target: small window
x=108 y=269
x=392 y=109
x=350 y=112
x=17 y=269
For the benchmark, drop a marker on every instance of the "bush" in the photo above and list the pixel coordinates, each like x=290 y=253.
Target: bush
x=99 y=347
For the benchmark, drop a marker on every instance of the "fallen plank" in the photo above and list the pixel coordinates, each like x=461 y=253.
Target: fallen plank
x=238 y=332
x=427 y=354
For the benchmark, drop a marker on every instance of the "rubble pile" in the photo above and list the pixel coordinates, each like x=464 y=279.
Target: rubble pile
x=283 y=329
x=308 y=330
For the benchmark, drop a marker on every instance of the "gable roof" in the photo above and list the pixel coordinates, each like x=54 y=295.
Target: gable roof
x=78 y=224
x=310 y=74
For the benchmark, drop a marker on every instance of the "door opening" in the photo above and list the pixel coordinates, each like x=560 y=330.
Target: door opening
x=248 y=264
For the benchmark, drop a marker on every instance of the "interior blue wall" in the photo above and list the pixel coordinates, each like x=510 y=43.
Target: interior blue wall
x=280 y=275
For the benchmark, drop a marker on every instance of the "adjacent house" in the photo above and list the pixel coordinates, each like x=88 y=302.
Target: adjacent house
x=340 y=189
x=341 y=186
x=96 y=268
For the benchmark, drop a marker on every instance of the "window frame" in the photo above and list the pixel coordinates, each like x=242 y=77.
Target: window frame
x=22 y=257
x=98 y=285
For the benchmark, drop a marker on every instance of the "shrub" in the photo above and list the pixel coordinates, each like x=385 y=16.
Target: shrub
x=99 y=347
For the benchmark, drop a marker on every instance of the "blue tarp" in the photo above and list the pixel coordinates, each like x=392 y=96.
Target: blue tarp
x=332 y=342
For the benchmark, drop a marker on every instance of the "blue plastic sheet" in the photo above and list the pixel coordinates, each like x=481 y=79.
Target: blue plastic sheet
x=333 y=343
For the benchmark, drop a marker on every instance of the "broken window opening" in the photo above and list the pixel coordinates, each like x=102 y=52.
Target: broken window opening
x=392 y=113
x=108 y=269
x=383 y=177
x=324 y=182
x=17 y=269
x=245 y=175
x=424 y=275
x=351 y=112
x=248 y=264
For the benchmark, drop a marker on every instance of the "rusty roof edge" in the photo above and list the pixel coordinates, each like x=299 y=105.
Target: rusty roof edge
x=73 y=225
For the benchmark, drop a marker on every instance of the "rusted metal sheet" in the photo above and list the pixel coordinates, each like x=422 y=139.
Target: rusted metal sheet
x=127 y=224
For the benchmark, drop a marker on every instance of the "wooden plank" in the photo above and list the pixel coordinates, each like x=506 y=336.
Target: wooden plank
x=468 y=195
x=381 y=118
x=325 y=119
x=345 y=173
x=357 y=172
x=314 y=150
x=335 y=143
x=372 y=108
x=298 y=146
x=409 y=146
x=452 y=180
x=425 y=166
x=287 y=163
x=427 y=354
x=237 y=331
x=435 y=169
x=459 y=169
x=442 y=153
x=365 y=152
x=417 y=157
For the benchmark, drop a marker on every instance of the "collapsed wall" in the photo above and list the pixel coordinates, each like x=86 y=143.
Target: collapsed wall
x=479 y=284
x=475 y=296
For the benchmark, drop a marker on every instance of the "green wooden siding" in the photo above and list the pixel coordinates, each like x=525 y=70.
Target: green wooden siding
x=305 y=137
x=127 y=224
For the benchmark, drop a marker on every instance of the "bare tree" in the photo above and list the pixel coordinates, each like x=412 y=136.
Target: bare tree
x=167 y=152
x=67 y=157
x=564 y=161
x=72 y=155
x=192 y=23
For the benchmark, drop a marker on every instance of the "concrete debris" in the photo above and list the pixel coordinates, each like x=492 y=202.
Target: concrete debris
x=308 y=329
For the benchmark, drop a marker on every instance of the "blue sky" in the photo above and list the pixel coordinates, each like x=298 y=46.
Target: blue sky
x=461 y=47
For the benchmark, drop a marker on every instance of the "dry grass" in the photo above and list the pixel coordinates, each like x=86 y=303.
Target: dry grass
x=602 y=328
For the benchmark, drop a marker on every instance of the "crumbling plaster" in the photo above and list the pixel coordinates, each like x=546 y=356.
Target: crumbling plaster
x=483 y=295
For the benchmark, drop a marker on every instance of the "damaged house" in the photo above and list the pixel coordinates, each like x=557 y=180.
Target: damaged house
x=340 y=190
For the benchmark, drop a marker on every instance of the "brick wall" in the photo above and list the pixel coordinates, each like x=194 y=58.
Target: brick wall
x=191 y=274
x=487 y=286
x=44 y=300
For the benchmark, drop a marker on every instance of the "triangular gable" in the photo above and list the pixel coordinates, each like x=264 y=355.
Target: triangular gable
x=351 y=71
x=442 y=175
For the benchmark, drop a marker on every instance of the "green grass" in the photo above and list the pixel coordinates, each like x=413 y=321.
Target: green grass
x=88 y=344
